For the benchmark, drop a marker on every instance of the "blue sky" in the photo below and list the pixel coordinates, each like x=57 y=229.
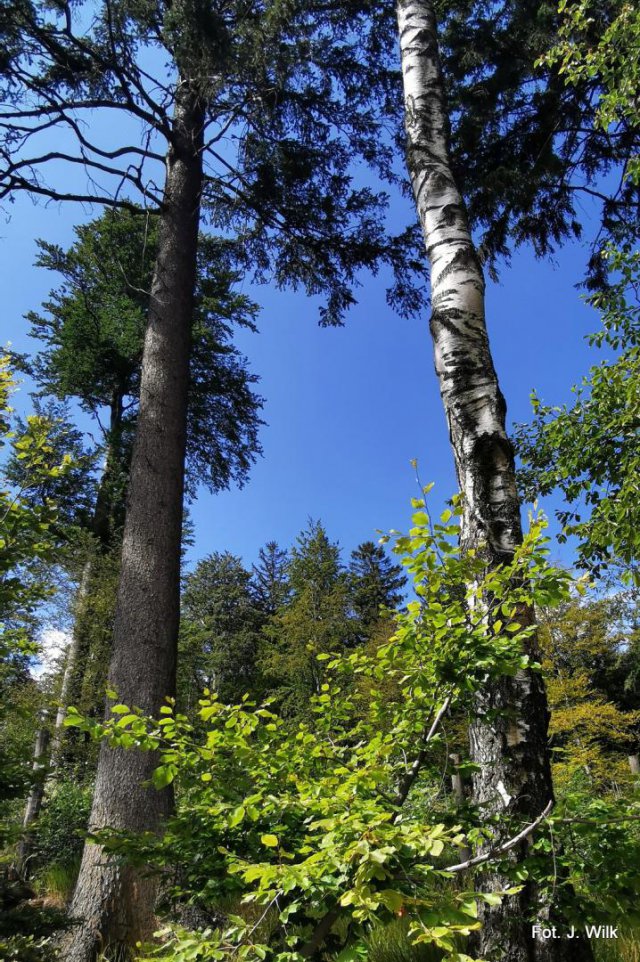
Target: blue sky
x=348 y=408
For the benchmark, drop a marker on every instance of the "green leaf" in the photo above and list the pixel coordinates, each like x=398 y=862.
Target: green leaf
x=237 y=816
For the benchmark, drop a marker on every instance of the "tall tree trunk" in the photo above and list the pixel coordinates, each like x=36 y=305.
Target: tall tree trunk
x=71 y=667
x=115 y=904
x=36 y=795
x=106 y=517
x=510 y=744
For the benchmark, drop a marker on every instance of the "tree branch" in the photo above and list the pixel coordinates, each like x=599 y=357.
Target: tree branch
x=407 y=782
x=505 y=847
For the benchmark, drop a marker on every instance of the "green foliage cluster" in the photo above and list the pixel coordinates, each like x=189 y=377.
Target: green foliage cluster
x=392 y=943
x=27 y=534
x=590 y=450
x=594 y=847
x=327 y=822
x=28 y=538
x=260 y=631
x=602 y=41
x=589 y=657
x=59 y=832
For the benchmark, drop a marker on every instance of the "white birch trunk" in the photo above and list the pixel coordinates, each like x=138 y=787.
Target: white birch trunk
x=515 y=777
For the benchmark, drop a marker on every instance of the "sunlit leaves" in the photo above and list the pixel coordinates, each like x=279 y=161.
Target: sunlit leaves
x=590 y=450
x=309 y=817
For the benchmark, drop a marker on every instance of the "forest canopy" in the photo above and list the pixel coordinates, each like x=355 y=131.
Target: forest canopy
x=242 y=715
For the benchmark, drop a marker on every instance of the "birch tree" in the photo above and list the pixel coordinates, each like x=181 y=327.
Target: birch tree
x=508 y=737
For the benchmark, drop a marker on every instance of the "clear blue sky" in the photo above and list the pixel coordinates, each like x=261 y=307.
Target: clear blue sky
x=346 y=408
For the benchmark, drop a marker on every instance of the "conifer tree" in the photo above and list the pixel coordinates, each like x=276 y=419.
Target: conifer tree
x=376 y=583
x=92 y=327
x=220 y=630
x=316 y=620
x=270 y=578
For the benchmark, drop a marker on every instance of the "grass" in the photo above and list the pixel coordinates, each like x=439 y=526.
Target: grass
x=118 y=953
x=391 y=943
x=56 y=882
x=626 y=948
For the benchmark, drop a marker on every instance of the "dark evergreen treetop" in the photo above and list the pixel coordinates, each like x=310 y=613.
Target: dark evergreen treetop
x=297 y=94
x=92 y=328
x=270 y=578
x=220 y=627
x=526 y=149
x=294 y=94
x=376 y=583
x=315 y=565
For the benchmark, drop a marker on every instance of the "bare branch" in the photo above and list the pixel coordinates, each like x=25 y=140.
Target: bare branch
x=22 y=183
x=410 y=777
x=505 y=847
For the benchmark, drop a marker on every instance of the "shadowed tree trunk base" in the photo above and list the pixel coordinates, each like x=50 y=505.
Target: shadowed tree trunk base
x=112 y=912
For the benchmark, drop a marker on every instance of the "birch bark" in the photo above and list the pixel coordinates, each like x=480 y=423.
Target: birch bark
x=510 y=744
x=113 y=903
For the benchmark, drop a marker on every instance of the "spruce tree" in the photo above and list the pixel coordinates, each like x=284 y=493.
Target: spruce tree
x=220 y=631
x=317 y=619
x=270 y=578
x=376 y=583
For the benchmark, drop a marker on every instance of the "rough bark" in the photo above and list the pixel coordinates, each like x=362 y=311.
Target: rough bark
x=510 y=745
x=457 y=787
x=114 y=903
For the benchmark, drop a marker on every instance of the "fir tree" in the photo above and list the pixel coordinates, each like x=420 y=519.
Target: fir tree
x=316 y=620
x=270 y=578
x=220 y=630
x=92 y=329
x=376 y=583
